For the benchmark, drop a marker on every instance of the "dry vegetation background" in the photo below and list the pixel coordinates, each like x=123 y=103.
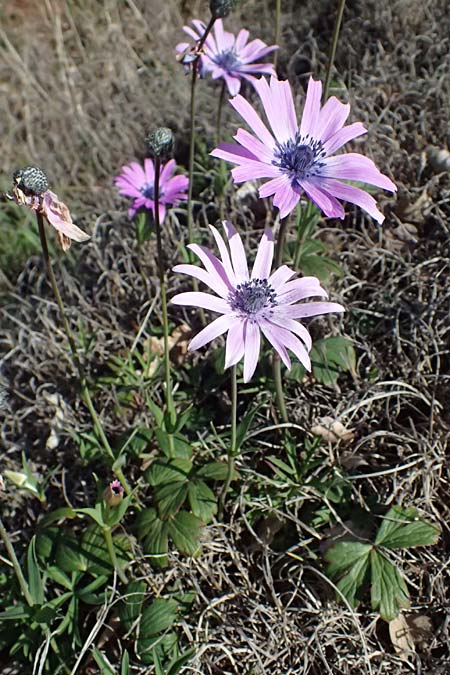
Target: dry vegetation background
x=81 y=83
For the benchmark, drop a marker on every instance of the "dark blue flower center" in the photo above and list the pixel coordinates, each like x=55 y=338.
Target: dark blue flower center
x=227 y=60
x=252 y=296
x=299 y=157
x=148 y=191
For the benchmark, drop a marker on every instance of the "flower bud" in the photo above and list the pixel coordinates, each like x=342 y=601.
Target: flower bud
x=113 y=494
x=31 y=180
x=221 y=8
x=160 y=142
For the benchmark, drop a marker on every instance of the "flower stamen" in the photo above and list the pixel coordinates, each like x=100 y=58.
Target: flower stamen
x=252 y=296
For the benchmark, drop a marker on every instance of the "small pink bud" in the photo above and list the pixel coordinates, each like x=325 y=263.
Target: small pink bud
x=113 y=494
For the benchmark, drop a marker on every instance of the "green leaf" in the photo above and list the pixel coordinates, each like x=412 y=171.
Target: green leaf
x=60 y=577
x=330 y=356
x=213 y=471
x=202 y=500
x=96 y=514
x=402 y=528
x=125 y=666
x=177 y=663
x=35 y=583
x=158 y=617
x=103 y=663
x=154 y=535
x=56 y=515
x=131 y=605
x=389 y=593
x=164 y=471
x=244 y=425
x=348 y=562
x=185 y=530
x=114 y=514
x=170 y=498
x=182 y=447
x=69 y=554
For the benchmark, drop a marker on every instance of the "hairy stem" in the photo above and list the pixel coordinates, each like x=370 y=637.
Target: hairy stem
x=112 y=555
x=16 y=565
x=334 y=41
x=85 y=393
x=162 y=283
x=232 y=450
x=276 y=366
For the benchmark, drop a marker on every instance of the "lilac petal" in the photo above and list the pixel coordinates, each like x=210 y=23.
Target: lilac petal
x=234 y=350
x=241 y=40
x=191 y=32
x=128 y=191
x=254 y=146
x=278 y=106
x=273 y=186
x=200 y=299
x=213 y=330
x=310 y=116
x=308 y=309
x=252 y=345
x=59 y=216
x=252 y=170
x=332 y=117
x=325 y=201
x=280 y=276
x=256 y=52
x=231 y=152
x=226 y=260
x=260 y=68
x=167 y=171
x=149 y=171
x=264 y=256
x=233 y=83
x=200 y=274
x=294 y=327
x=293 y=343
x=286 y=199
x=342 y=137
x=354 y=195
x=161 y=212
x=213 y=265
x=247 y=112
x=299 y=289
x=353 y=166
x=237 y=251
x=271 y=333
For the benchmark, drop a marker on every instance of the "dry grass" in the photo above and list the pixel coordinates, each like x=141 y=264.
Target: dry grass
x=82 y=83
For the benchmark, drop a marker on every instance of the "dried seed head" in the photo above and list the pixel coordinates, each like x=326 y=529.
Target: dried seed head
x=160 y=142
x=221 y=8
x=31 y=180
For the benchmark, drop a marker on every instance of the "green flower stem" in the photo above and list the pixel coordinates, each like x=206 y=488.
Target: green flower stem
x=232 y=450
x=334 y=41
x=277 y=31
x=190 y=217
x=162 y=283
x=15 y=563
x=112 y=554
x=276 y=366
x=85 y=393
x=219 y=113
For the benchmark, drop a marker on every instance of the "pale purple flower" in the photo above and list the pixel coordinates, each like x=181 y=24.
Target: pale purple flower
x=228 y=56
x=298 y=158
x=137 y=182
x=252 y=304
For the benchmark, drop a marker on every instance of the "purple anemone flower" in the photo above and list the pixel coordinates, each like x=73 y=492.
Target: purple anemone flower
x=298 y=158
x=228 y=56
x=251 y=304
x=138 y=182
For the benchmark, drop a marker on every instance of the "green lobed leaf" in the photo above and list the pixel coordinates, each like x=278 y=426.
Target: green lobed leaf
x=185 y=530
x=213 y=471
x=154 y=535
x=389 y=593
x=177 y=663
x=35 y=583
x=131 y=604
x=348 y=562
x=158 y=617
x=170 y=498
x=244 y=425
x=330 y=356
x=164 y=471
x=202 y=500
x=402 y=528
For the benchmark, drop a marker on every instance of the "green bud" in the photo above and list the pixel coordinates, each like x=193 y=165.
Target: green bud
x=160 y=142
x=31 y=180
x=221 y=8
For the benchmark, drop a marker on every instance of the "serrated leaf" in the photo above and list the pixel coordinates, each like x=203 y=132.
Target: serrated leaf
x=202 y=500
x=402 y=528
x=158 y=617
x=185 y=530
x=389 y=593
x=35 y=583
x=213 y=471
x=131 y=604
x=348 y=562
x=170 y=498
x=164 y=471
x=154 y=535
x=330 y=356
